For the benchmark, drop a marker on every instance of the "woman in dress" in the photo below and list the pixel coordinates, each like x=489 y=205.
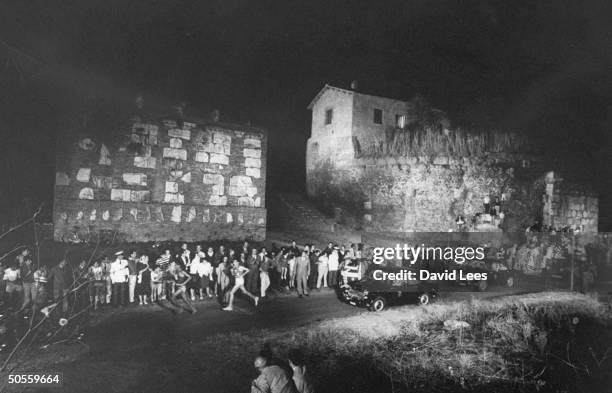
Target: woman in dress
x=238 y=272
x=223 y=279
x=143 y=282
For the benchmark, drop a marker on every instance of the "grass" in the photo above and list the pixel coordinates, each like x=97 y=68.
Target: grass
x=551 y=341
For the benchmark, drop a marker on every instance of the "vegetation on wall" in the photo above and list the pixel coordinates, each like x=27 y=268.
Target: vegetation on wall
x=415 y=141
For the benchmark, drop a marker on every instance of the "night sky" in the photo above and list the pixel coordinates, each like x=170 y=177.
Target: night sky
x=537 y=67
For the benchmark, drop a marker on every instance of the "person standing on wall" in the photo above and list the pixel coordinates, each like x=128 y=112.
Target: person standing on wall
x=133 y=275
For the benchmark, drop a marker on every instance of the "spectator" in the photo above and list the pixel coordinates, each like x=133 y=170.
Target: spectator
x=143 y=281
x=108 y=287
x=313 y=256
x=251 y=279
x=40 y=282
x=322 y=269
x=133 y=275
x=12 y=279
x=119 y=277
x=302 y=271
x=157 y=284
x=61 y=277
x=195 y=282
x=264 y=265
x=301 y=379
x=204 y=274
x=97 y=284
x=272 y=378
x=333 y=266
x=27 y=279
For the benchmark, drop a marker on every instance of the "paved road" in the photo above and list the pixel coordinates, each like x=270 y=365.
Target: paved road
x=138 y=342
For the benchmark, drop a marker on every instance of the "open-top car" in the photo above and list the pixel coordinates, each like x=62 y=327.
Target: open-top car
x=379 y=288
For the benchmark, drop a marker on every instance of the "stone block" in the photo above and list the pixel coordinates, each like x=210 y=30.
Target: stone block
x=219 y=159
x=252 y=142
x=222 y=138
x=120 y=195
x=252 y=162
x=253 y=172
x=170 y=197
x=134 y=213
x=214 y=178
x=239 y=180
x=83 y=175
x=140 y=196
x=106 y=215
x=172 y=186
x=62 y=179
x=251 y=191
x=254 y=153
x=176 y=214
x=176 y=143
x=246 y=201
x=86 y=193
x=206 y=216
x=134 y=179
x=237 y=190
x=179 y=133
x=218 y=189
x=229 y=218
x=179 y=154
x=257 y=202
x=201 y=156
x=145 y=162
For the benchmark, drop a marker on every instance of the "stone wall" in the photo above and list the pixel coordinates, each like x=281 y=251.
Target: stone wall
x=567 y=206
x=429 y=194
x=163 y=179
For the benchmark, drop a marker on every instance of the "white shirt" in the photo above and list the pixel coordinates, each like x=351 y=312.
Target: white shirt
x=119 y=271
x=333 y=261
x=195 y=263
x=204 y=269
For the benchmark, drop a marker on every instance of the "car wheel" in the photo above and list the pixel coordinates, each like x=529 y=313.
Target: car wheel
x=510 y=282
x=424 y=299
x=378 y=304
x=482 y=285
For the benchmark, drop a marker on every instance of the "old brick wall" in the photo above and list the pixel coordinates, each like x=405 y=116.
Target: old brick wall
x=163 y=179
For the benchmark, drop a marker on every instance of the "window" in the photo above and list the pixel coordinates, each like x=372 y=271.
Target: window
x=329 y=115
x=400 y=121
x=378 y=116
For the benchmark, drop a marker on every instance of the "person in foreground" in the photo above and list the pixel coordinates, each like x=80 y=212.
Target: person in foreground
x=301 y=379
x=272 y=378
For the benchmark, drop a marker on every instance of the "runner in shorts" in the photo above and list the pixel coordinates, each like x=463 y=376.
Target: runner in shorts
x=238 y=272
x=180 y=289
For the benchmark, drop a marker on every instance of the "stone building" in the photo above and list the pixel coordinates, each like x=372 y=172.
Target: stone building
x=376 y=158
x=162 y=178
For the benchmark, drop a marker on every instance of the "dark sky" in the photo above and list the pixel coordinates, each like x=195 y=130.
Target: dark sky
x=539 y=67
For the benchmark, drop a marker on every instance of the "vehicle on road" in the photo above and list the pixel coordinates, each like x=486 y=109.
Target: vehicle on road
x=377 y=294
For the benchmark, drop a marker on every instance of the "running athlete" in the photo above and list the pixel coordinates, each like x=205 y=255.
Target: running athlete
x=181 y=278
x=239 y=272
